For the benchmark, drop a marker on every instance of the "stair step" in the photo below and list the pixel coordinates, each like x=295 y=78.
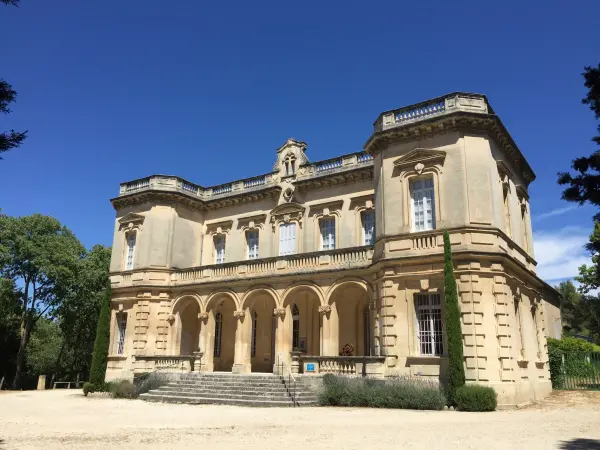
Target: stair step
x=231 y=385
x=231 y=395
x=281 y=390
x=199 y=400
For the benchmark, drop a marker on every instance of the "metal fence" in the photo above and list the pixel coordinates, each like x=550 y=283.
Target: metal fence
x=579 y=370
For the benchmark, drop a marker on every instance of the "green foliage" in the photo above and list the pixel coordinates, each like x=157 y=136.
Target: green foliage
x=123 y=389
x=150 y=380
x=568 y=357
x=475 y=398
x=99 y=357
x=88 y=388
x=44 y=347
x=456 y=370
x=584 y=186
x=399 y=393
x=40 y=256
x=9 y=327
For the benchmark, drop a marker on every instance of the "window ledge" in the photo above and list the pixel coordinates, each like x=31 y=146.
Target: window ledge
x=117 y=357
x=420 y=359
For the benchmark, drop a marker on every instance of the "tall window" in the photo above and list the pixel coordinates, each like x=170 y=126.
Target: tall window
x=429 y=322
x=130 y=250
x=287 y=239
x=219 y=249
x=121 y=328
x=368 y=227
x=290 y=165
x=295 y=328
x=218 y=332
x=327 y=226
x=524 y=225
x=423 y=204
x=506 y=201
x=253 y=345
x=252 y=241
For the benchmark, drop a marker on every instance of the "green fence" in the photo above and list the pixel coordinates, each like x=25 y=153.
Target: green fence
x=578 y=370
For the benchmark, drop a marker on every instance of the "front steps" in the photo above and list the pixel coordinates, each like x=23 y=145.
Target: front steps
x=231 y=389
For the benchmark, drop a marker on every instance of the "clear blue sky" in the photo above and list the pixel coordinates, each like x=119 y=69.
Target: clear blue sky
x=116 y=90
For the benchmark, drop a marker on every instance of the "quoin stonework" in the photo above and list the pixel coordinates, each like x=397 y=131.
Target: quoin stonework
x=336 y=266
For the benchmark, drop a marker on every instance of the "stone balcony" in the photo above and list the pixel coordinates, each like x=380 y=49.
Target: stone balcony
x=411 y=246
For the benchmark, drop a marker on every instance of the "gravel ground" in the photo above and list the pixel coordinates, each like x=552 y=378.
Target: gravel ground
x=65 y=419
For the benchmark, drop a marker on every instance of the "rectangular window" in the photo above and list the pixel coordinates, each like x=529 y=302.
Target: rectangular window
x=368 y=227
x=423 y=204
x=252 y=240
x=429 y=324
x=287 y=239
x=327 y=226
x=506 y=203
x=130 y=251
x=219 y=249
x=121 y=327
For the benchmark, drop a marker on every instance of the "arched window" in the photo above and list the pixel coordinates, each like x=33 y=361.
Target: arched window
x=295 y=328
x=218 y=328
x=253 y=347
x=290 y=165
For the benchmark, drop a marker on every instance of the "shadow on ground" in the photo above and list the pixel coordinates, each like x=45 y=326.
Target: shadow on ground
x=580 y=444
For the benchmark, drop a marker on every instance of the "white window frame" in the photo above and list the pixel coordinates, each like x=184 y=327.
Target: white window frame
x=287 y=242
x=219 y=244
x=130 y=241
x=252 y=244
x=218 y=333
x=430 y=324
x=422 y=200
x=327 y=232
x=368 y=237
x=121 y=331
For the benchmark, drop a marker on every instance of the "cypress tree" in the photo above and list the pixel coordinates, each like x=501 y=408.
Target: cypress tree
x=456 y=370
x=100 y=355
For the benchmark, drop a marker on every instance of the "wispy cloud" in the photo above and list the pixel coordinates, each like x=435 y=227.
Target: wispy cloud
x=555 y=212
x=559 y=253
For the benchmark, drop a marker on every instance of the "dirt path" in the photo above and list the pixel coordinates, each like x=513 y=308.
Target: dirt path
x=66 y=420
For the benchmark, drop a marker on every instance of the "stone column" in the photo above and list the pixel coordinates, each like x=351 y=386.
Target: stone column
x=207 y=331
x=329 y=330
x=241 y=362
x=279 y=314
x=202 y=338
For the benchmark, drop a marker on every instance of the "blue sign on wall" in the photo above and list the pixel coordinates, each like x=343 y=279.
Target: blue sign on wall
x=310 y=367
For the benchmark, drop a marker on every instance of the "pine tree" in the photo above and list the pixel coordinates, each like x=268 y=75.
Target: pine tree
x=456 y=370
x=100 y=355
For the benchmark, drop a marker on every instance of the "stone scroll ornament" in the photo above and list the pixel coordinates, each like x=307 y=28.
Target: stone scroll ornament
x=279 y=312
x=325 y=309
x=239 y=314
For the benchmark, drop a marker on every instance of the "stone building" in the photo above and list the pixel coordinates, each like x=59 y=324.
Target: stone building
x=312 y=260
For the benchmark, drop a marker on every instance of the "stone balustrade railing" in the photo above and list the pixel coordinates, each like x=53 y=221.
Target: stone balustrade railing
x=340 y=164
x=164 y=363
x=351 y=366
x=448 y=104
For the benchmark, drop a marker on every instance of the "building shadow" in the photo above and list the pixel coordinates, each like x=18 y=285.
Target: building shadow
x=580 y=444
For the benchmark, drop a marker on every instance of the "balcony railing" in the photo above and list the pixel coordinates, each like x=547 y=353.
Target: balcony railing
x=343 y=163
x=355 y=257
x=439 y=106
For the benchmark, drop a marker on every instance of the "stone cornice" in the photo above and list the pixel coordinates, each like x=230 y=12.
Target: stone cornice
x=332 y=179
x=155 y=195
x=452 y=117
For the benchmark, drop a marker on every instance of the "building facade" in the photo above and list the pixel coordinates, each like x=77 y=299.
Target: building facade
x=315 y=264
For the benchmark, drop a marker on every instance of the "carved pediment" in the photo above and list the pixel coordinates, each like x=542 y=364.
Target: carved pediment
x=327 y=207
x=291 y=146
x=219 y=227
x=288 y=208
x=131 y=220
x=255 y=221
x=420 y=158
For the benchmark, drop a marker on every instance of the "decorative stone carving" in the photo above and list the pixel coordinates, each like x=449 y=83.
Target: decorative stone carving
x=324 y=309
x=419 y=168
x=239 y=314
x=130 y=221
x=171 y=319
x=203 y=316
x=279 y=312
x=420 y=158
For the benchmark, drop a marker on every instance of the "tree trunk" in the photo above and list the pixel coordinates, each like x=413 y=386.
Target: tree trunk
x=21 y=355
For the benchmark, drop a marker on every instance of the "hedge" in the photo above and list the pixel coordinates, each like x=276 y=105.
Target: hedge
x=399 y=393
x=472 y=397
x=575 y=366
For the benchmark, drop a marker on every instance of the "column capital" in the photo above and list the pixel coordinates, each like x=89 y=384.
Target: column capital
x=239 y=314
x=324 y=309
x=279 y=312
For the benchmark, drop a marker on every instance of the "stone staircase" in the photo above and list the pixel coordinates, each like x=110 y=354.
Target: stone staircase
x=231 y=389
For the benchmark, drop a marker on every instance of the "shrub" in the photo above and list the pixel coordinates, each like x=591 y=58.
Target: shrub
x=472 y=397
x=123 y=389
x=88 y=388
x=400 y=393
x=100 y=355
x=148 y=381
x=456 y=369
